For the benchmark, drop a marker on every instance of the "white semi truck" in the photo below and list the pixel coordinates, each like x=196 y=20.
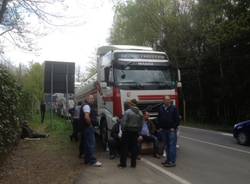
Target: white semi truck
x=125 y=73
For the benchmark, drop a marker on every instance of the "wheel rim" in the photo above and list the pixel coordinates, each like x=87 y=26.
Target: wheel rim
x=242 y=138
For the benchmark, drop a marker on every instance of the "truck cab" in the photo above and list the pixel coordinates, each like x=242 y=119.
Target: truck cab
x=131 y=72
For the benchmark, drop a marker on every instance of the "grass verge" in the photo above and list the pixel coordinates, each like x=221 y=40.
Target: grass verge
x=58 y=129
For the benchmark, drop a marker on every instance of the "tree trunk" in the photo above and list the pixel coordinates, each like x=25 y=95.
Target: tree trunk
x=3 y=9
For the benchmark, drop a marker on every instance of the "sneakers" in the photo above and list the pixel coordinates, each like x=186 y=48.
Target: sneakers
x=163 y=163
x=112 y=157
x=121 y=166
x=97 y=164
x=157 y=156
x=164 y=153
x=168 y=164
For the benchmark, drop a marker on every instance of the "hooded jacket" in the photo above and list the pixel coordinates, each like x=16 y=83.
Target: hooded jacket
x=132 y=119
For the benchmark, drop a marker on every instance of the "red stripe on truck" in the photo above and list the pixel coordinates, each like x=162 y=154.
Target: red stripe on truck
x=151 y=97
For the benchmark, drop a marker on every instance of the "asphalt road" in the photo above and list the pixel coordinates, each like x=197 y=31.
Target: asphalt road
x=204 y=157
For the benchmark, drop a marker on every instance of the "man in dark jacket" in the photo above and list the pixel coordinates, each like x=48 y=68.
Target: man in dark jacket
x=168 y=120
x=115 y=140
x=132 y=123
x=42 y=110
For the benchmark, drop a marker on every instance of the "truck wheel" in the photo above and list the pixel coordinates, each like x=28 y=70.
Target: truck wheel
x=104 y=134
x=242 y=138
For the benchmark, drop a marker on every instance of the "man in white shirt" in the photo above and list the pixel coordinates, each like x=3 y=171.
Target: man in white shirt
x=89 y=133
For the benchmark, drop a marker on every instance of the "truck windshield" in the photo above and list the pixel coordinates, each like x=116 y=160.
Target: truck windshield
x=143 y=77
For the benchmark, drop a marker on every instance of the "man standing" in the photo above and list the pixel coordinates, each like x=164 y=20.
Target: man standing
x=147 y=134
x=42 y=110
x=132 y=123
x=168 y=120
x=89 y=133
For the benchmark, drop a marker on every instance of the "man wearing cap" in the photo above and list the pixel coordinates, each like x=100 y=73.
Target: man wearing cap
x=168 y=122
x=132 y=123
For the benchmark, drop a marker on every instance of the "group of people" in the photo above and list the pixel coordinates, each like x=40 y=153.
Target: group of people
x=136 y=127
x=129 y=133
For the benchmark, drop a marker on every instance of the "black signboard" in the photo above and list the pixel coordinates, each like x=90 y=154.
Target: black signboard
x=59 y=77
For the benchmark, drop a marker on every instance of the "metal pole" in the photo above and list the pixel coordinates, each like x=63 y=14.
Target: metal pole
x=67 y=100
x=51 y=93
x=184 y=111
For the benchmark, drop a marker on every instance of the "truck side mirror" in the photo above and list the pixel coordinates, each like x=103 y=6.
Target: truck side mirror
x=179 y=74
x=179 y=84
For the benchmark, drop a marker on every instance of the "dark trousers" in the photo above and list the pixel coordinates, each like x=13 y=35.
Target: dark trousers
x=152 y=139
x=75 y=129
x=42 y=116
x=89 y=145
x=81 y=145
x=129 y=143
x=114 y=146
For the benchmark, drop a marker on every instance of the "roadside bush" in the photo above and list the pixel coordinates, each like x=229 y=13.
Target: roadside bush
x=9 y=98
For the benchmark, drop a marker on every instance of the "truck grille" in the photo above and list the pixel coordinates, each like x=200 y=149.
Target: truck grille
x=150 y=107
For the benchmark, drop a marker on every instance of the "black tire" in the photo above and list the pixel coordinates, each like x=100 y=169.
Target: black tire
x=104 y=134
x=242 y=138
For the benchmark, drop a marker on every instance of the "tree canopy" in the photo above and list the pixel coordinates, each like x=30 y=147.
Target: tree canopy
x=17 y=18
x=208 y=40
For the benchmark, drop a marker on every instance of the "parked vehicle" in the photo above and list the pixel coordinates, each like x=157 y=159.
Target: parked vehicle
x=125 y=73
x=241 y=132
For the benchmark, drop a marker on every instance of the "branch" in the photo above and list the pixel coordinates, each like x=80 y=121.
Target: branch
x=42 y=15
x=1 y=34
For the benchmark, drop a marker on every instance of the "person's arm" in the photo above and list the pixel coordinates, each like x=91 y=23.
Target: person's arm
x=176 y=117
x=152 y=127
x=115 y=131
x=124 y=118
x=157 y=123
x=140 y=123
x=87 y=118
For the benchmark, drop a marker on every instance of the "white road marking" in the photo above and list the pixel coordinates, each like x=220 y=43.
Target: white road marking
x=210 y=131
x=227 y=134
x=217 y=145
x=170 y=174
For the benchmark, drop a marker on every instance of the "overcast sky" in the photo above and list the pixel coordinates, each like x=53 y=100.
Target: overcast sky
x=77 y=43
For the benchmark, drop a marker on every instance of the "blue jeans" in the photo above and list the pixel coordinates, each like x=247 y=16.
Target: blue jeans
x=170 y=140
x=89 y=145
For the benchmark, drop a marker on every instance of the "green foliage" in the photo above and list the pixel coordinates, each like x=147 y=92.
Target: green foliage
x=9 y=102
x=33 y=81
x=208 y=40
x=16 y=101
